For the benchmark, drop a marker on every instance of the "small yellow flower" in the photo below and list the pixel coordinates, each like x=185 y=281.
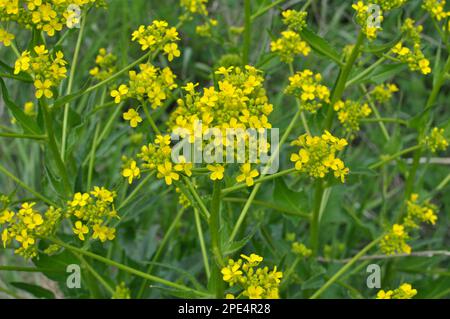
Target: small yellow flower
x=80 y=230
x=133 y=117
x=231 y=272
x=253 y=259
x=167 y=172
x=255 y=292
x=385 y=294
x=299 y=159
x=80 y=199
x=118 y=94
x=217 y=172
x=43 y=89
x=247 y=175
x=131 y=172
x=25 y=239
x=33 y=220
x=424 y=66
x=171 y=49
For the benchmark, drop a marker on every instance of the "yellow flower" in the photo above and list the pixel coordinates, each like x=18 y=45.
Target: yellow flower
x=231 y=272
x=103 y=233
x=80 y=199
x=247 y=174
x=255 y=292
x=118 y=94
x=299 y=159
x=424 y=66
x=43 y=89
x=6 y=217
x=25 y=239
x=385 y=294
x=217 y=172
x=33 y=220
x=253 y=258
x=133 y=117
x=183 y=165
x=171 y=49
x=131 y=172
x=6 y=37
x=80 y=229
x=167 y=172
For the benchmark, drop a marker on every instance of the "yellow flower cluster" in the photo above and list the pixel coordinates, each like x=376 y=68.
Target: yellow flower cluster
x=387 y=5
x=195 y=6
x=93 y=211
x=158 y=37
x=294 y=20
x=436 y=141
x=157 y=157
x=121 y=292
x=301 y=250
x=105 y=65
x=26 y=227
x=6 y=38
x=47 y=69
x=405 y=291
x=206 y=29
x=350 y=114
x=395 y=240
x=240 y=102
x=49 y=16
x=370 y=25
x=306 y=86
x=254 y=282
x=383 y=92
x=289 y=46
x=436 y=8
x=413 y=56
x=151 y=84
x=317 y=156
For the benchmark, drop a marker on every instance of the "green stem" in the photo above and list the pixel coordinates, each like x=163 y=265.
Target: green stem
x=342 y=78
x=73 y=69
x=197 y=198
x=135 y=191
x=24 y=136
x=345 y=268
x=257 y=186
x=247 y=32
x=315 y=220
x=214 y=227
x=160 y=250
x=26 y=187
x=377 y=114
x=265 y=9
x=201 y=239
x=26 y=269
x=54 y=148
x=268 y=205
x=96 y=274
x=394 y=156
x=385 y=120
x=150 y=119
x=258 y=181
x=129 y=269
x=366 y=72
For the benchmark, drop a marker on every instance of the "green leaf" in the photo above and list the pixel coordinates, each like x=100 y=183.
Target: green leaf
x=294 y=200
x=382 y=48
x=320 y=45
x=27 y=123
x=385 y=72
x=36 y=291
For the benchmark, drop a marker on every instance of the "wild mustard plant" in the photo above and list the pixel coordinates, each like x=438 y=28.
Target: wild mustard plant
x=114 y=110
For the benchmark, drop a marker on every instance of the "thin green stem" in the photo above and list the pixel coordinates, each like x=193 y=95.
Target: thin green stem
x=315 y=220
x=73 y=69
x=366 y=72
x=390 y=158
x=214 y=227
x=159 y=252
x=257 y=186
x=129 y=269
x=342 y=78
x=95 y=274
x=385 y=120
x=26 y=187
x=197 y=198
x=135 y=191
x=24 y=136
x=247 y=32
x=265 y=9
x=150 y=119
x=377 y=114
x=201 y=240
x=345 y=268
x=54 y=148
x=269 y=205
x=258 y=181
